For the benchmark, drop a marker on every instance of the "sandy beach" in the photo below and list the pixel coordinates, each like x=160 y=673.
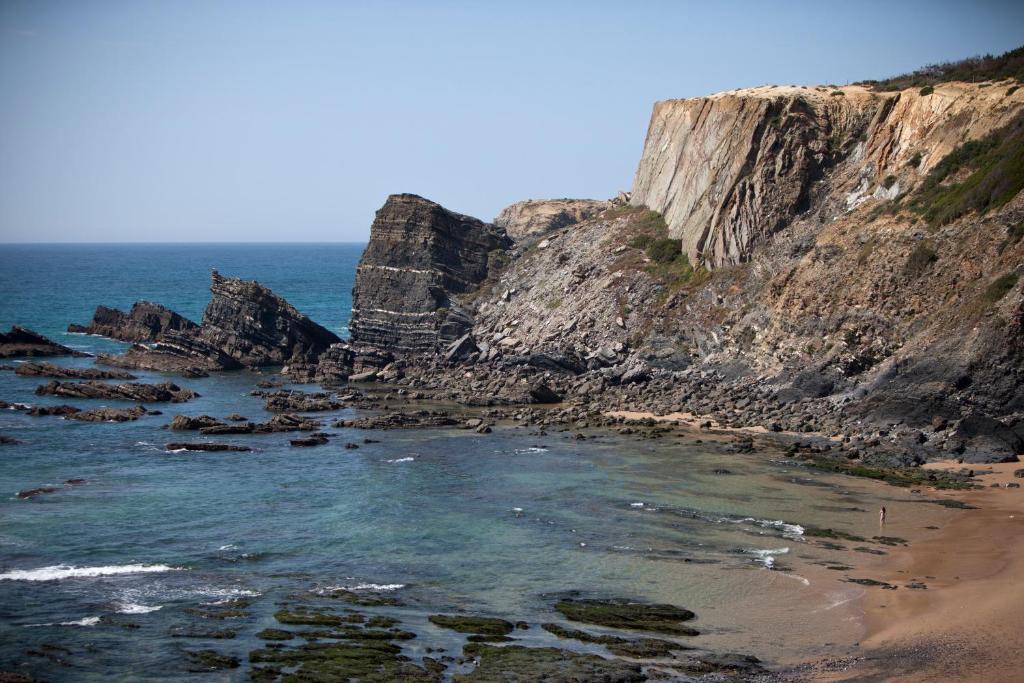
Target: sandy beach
x=968 y=625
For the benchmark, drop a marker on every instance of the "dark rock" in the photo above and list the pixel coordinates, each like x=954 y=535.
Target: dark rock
x=312 y=440
x=210 y=660
x=127 y=392
x=8 y=441
x=461 y=348
x=190 y=423
x=175 y=352
x=334 y=365
x=989 y=440
x=419 y=256
x=542 y=393
x=256 y=327
x=145 y=322
x=237 y=428
x=297 y=401
x=204 y=446
x=61 y=410
x=351 y=446
x=32 y=493
x=288 y=423
x=51 y=370
x=1019 y=473
x=642 y=648
x=108 y=414
x=21 y=342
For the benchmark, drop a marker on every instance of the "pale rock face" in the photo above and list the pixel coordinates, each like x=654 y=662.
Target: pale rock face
x=729 y=170
x=525 y=219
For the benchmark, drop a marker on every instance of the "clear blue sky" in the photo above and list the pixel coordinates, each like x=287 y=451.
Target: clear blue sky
x=292 y=121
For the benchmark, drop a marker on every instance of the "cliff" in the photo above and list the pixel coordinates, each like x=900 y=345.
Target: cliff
x=534 y=217
x=420 y=257
x=831 y=260
x=730 y=170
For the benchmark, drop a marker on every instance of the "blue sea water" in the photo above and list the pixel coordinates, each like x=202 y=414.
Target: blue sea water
x=96 y=578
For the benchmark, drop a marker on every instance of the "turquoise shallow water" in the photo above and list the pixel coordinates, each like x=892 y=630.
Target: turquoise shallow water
x=443 y=519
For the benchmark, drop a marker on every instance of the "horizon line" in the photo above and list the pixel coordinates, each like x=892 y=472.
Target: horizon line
x=101 y=243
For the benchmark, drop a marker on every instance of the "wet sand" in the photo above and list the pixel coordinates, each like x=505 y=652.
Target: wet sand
x=968 y=625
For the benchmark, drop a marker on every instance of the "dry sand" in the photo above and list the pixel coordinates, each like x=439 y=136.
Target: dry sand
x=968 y=625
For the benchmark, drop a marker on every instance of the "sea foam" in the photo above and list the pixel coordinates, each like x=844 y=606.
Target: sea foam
x=64 y=571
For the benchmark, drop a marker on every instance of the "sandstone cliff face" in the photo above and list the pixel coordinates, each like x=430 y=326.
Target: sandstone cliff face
x=533 y=217
x=729 y=170
x=420 y=256
x=145 y=322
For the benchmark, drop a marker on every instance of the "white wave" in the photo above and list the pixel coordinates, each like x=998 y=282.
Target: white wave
x=636 y=505
x=409 y=459
x=517 y=509
x=788 y=530
x=87 y=621
x=531 y=449
x=229 y=546
x=64 y=571
x=134 y=608
x=374 y=587
x=767 y=557
x=178 y=450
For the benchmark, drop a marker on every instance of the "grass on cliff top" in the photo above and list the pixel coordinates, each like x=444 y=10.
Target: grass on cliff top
x=972 y=70
x=995 y=168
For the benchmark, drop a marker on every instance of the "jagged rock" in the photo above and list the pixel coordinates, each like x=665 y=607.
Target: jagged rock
x=166 y=392
x=288 y=423
x=177 y=353
x=144 y=322
x=190 y=423
x=257 y=327
x=538 y=216
x=542 y=393
x=989 y=440
x=32 y=493
x=311 y=440
x=420 y=256
x=62 y=410
x=460 y=348
x=236 y=428
x=60 y=372
x=334 y=365
x=21 y=341
x=108 y=414
x=297 y=401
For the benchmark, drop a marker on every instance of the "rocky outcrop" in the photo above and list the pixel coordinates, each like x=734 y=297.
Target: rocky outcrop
x=144 y=322
x=419 y=259
x=21 y=342
x=256 y=327
x=729 y=170
x=61 y=372
x=127 y=392
x=534 y=217
x=244 y=325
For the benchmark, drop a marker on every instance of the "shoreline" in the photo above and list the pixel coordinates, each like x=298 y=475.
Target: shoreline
x=970 y=620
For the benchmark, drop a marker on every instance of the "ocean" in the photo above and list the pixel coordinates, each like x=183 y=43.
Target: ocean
x=99 y=580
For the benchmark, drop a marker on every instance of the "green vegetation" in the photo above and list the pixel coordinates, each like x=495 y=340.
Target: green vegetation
x=914 y=161
x=972 y=70
x=926 y=90
x=819 y=532
x=641 y=648
x=837 y=93
x=996 y=166
x=1012 y=89
x=889 y=181
x=919 y=260
x=999 y=287
x=897 y=477
x=1013 y=235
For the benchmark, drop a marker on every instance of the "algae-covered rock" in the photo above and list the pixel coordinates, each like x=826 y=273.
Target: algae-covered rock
x=641 y=648
x=275 y=634
x=548 y=664
x=464 y=623
x=308 y=618
x=660 y=618
x=363 y=661
x=210 y=660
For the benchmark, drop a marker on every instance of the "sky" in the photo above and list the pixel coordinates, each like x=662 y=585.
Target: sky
x=181 y=121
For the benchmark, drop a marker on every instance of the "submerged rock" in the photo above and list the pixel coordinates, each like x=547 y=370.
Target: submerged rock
x=518 y=663
x=465 y=623
x=21 y=341
x=660 y=618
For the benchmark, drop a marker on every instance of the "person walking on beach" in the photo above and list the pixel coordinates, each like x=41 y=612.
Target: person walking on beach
x=881 y=516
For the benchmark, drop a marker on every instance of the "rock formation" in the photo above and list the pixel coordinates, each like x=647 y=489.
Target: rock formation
x=126 y=392
x=729 y=170
x=244 y=325
x=420 y=257
x=256 y=327
x=533 y=217
x=145 y=322
x=21 y=342
x=60 y=372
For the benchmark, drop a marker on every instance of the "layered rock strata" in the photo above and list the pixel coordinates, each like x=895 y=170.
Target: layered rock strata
x=420 y=258
x=144 y=322
x=20 y=342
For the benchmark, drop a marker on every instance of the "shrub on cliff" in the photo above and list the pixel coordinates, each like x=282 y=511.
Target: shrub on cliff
x=996 y=163
x=1000 y=287
x=974 y=69
x=664 y=250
